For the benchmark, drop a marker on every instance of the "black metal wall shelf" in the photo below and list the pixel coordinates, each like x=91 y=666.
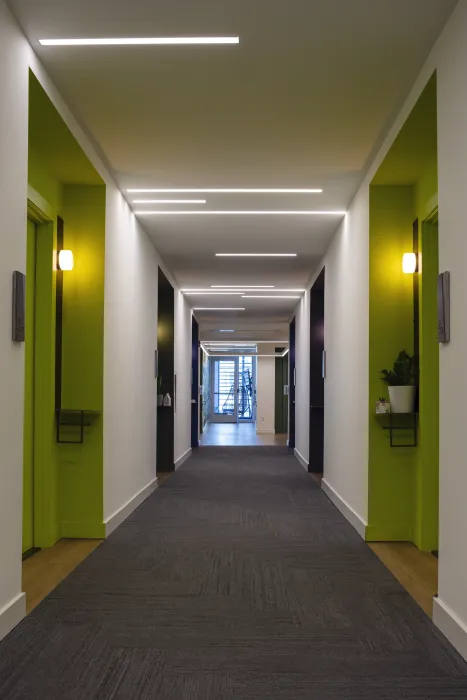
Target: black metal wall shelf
x=74 y=418
x=401 y=422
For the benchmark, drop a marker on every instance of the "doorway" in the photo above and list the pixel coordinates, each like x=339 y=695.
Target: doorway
x=291 y=388
x=195 y=372
x=166 y=376
x=29 y=393
x=233 y=388
x=317 y=375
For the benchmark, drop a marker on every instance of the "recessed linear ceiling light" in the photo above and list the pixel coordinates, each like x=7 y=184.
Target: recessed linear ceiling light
x=241 y=290
x=225 y=212
x=213 y=294
x=219 y=308
x=256 y=255
x=224 y=330
x=242 y=286
x=143 y=41
x=257 y=296
x=169 y=201
x=230 y=191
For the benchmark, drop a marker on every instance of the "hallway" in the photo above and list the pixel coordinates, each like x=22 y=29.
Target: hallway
x=237 y=579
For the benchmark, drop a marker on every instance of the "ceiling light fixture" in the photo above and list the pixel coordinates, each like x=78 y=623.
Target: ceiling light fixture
x=224 y=330
x=169 y=201
x=270 y=296
x=241 y=290
x=231 y=191
x=213 y=294
x=242 y=286
x=143 y=41
x=226 y=212
x=219 y=308
x=256 y=255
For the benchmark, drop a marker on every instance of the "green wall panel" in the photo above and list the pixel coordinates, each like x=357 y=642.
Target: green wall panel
x=391 y=488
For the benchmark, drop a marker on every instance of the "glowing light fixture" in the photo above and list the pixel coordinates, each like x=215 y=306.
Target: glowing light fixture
x=169 y=201
x=256 y=255
x=232 y=191
x=65 y=260
x=214 y=294
x=143 y=41
x=224 y=330
x=242 y=286
x=409 y=263
x=219 y=308
x=268 y=296
x=238 y=212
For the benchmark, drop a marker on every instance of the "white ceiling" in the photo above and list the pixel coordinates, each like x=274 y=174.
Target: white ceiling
x=303 y=101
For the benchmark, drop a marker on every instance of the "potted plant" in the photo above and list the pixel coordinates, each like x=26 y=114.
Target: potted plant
x=160 y=395
x=383 y=405
x=401 y=383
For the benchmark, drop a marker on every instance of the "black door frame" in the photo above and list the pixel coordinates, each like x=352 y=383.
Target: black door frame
x=292 y=381
x=194 y=382
x=317 y=375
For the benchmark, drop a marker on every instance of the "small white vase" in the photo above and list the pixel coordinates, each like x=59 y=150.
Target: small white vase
x=402 y=399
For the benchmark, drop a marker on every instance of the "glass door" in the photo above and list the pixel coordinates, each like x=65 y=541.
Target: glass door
x=247 y=389
x=224 y=383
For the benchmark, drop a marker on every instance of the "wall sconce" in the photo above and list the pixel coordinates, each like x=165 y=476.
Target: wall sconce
x=65 y=260
x=409 y=263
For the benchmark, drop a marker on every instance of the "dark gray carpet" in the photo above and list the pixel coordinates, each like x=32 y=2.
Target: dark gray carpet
x=236 y=580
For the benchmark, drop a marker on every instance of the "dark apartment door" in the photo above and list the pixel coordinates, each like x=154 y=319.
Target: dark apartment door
x=194 y=382
x=281 y=400
x=292 y=379
x=317 y=373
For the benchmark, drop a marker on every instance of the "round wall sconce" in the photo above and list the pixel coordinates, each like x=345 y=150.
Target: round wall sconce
x=65 y=260
x=409 y=263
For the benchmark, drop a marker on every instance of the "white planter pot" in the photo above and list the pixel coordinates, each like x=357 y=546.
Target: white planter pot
x=160 y=398
x=402 y=398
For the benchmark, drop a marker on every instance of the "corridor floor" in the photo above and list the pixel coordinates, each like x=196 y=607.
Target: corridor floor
x=236 y=580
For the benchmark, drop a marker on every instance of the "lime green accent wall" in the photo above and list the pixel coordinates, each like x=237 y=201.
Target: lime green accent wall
x=403 y=483
x=68 y=479
x=81 y=478
x=28 y=448
x=427 y=462
x=391 y=471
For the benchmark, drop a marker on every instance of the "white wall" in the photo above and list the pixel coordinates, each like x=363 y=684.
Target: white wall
x=13 y=193
x=130 y=339
x=346 y=344
x=451 y=60
x=183 y=314
x=265 y=394
x=130 y=327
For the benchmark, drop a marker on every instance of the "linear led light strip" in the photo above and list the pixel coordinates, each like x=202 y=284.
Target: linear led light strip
x=143 y=41
x=229 y=190
x=219 y=308
x=241 y=290
x=237 y=212
x=242 y=286
x=169 y=201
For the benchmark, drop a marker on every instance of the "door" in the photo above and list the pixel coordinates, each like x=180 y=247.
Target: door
x=29 y=351
x=281 y=394
x=292 y=381
x=317 y=372
x=247 y=389
x=224 y=383
x=194 y=382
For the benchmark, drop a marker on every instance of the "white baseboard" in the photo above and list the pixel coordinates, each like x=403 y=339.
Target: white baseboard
x=301 y=459
x=183 y=458
x=265 y=432
x=127 y=509
x=347 y=511
x=12 y=614
x=451 y=626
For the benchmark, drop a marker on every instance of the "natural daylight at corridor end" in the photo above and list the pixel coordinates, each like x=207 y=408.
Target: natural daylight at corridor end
x=232 y=350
